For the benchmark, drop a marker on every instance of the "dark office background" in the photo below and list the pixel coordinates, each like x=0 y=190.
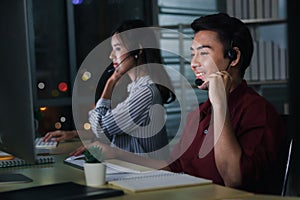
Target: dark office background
x=63 y=34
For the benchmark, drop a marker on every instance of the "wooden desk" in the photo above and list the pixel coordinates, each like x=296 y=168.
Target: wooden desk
x=59 y=172
x=267 y=197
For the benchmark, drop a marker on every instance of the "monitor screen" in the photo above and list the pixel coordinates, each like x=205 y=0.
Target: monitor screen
x=17 y=129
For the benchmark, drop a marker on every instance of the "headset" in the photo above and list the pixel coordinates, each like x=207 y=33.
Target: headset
x=134 y=54
x=231 y=54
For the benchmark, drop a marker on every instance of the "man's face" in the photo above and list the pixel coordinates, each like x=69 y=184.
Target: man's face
x=207 y=55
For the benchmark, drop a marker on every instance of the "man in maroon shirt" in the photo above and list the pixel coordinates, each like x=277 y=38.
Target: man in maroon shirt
x=240 y=135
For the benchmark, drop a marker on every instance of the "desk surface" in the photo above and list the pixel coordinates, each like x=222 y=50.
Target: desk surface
x=59 y=172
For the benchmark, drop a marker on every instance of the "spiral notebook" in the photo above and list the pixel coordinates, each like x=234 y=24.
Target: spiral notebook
x=158 y=179
x=20 y=162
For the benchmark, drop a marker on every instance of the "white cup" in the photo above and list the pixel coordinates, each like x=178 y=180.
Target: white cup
x=94 y=174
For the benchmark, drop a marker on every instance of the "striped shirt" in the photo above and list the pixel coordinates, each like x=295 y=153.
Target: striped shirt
x=137 y=124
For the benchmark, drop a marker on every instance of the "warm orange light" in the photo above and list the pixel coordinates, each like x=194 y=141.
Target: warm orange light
x=87 y=126
x=57 y=125
x=43 y=108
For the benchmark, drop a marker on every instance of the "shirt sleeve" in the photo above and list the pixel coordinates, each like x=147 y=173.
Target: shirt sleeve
x=127 y=116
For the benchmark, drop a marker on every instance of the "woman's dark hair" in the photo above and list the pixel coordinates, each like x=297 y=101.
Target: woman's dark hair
x=134 y=41
x=232 y=32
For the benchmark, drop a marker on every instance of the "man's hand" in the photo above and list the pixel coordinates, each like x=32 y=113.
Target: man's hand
x=219 y=86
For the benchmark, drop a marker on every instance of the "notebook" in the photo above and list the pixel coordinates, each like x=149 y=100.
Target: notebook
x=113 y=171
x=20 y=162
x=61 y=191
x=78 y=162
x=75 y=161
x=157 y=179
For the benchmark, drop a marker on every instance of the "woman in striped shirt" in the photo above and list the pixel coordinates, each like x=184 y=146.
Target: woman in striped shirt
x=137 y=124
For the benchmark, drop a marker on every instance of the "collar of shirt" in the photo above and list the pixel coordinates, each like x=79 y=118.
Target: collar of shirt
x=141 y=82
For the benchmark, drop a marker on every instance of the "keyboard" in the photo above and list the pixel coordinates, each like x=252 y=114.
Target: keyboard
x=45 y=145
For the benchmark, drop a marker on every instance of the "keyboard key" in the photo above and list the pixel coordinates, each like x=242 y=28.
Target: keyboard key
x=47 y=145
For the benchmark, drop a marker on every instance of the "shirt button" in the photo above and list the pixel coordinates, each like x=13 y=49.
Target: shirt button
x=205 y=131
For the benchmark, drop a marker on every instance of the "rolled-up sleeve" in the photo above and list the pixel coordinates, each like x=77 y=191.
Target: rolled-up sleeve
x=124 y=118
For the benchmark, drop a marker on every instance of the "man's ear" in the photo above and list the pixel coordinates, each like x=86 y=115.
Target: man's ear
x=235 y=59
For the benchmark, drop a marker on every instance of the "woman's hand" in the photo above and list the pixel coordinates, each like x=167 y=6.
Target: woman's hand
x=60 y=135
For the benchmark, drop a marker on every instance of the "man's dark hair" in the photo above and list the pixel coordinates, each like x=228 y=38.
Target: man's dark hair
x=232 y=32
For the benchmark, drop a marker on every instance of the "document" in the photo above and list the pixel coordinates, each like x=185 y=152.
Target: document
x=114 y=171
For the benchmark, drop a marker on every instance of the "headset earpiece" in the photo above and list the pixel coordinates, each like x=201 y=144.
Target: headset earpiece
x=135 y=53
x=231 y=54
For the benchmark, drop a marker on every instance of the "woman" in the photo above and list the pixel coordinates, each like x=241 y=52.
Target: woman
x=134 y=125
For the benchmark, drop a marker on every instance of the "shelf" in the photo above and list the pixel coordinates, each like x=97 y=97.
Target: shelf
x=258 y=83
x=265 y=21
x=267 y=82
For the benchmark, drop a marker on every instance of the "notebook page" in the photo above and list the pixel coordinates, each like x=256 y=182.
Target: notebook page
x=158 y=179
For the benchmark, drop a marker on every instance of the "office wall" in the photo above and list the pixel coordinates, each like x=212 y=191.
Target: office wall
x=95 y=19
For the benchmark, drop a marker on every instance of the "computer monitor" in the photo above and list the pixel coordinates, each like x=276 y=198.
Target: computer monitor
x=17 y=129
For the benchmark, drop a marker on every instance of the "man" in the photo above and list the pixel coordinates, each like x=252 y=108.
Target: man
x=247 y=131
x=240 y=135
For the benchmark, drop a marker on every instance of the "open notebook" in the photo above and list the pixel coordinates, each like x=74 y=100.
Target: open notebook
x=114 y=170
x=141 y=178
x=157 y=179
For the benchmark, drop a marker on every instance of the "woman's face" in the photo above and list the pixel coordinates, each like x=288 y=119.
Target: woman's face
x=122 y=60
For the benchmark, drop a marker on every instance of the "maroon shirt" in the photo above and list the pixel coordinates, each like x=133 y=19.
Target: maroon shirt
x=259 y=130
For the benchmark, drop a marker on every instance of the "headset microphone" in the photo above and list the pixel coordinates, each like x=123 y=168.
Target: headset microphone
x=113 y=69
x=199 y=82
